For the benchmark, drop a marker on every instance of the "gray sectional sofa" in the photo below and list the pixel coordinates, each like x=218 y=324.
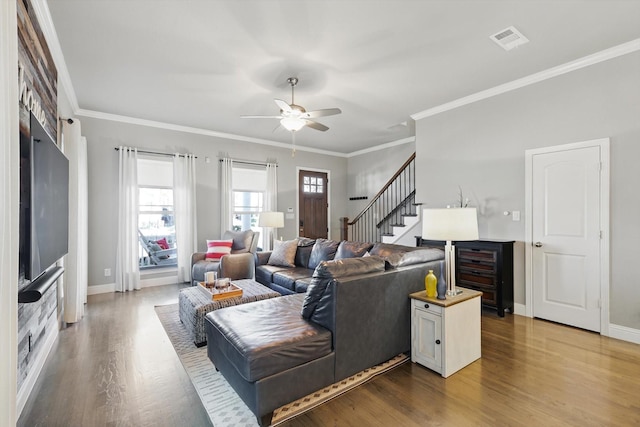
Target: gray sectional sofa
x=354 y=314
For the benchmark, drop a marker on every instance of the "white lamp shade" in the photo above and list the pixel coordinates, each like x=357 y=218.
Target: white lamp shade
x=455 y=224
x=271 y=219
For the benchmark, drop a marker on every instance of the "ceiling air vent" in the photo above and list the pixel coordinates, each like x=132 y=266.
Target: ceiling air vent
x=509 y=38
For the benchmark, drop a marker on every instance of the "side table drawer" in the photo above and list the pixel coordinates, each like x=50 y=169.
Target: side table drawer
x=428 y=307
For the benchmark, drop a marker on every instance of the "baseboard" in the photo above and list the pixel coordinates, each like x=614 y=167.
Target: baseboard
x=144 y=283
x=624 y=333
x=101 y=289
x=519 y=309
x=34 y=373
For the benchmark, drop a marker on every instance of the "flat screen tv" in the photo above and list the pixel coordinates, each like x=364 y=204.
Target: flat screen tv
x=45 y=229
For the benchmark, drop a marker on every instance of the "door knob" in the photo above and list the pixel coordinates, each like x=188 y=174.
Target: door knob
x=538 y=244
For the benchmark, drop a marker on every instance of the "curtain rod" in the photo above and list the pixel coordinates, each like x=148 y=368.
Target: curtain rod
x=157 y=153
x=248 y=162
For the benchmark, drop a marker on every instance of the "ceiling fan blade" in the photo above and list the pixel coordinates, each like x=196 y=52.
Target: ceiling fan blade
x=321 y=113
x=260 y=117
x=316 y=125
x=283 y=105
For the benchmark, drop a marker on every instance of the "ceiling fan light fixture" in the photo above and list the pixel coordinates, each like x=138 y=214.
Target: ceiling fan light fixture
x=292 y=124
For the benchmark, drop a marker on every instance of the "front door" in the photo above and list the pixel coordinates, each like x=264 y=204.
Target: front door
x=312 y=189
x=566 y=232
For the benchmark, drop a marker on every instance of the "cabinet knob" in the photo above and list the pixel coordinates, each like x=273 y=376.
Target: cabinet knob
x=426 y=306
x=437 y=341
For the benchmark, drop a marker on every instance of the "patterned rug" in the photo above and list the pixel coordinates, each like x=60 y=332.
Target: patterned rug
x=224 y=406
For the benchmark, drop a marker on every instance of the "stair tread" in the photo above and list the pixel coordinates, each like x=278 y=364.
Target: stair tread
x=409 y=214
x=398 y=225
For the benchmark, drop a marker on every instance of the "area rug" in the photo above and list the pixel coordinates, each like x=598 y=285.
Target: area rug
x=221 y=402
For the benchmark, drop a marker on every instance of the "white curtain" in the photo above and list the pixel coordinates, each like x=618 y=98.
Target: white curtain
x=271 y=195
x=226 y=194
x=127 y=268
x=184 y=202
x=76 y=262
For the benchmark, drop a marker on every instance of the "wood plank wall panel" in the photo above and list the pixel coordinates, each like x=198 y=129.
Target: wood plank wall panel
x=35 y=320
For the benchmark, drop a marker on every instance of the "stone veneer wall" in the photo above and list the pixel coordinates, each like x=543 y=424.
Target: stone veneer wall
x=36 y=321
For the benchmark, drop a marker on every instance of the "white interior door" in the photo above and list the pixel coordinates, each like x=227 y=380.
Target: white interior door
x=565 y=234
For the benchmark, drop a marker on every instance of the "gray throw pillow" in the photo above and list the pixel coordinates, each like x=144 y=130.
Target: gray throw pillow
x=241 y=240
x=349 y=249
x=284 y=253
x=323 y=250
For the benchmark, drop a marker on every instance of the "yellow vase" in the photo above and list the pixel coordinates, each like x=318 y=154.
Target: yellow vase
x=430 y=284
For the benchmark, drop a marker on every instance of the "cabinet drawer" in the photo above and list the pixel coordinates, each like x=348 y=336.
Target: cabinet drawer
x=476 y=277
x=477 y=254
x=489 y=295
x=476 y=265
x=428 y=307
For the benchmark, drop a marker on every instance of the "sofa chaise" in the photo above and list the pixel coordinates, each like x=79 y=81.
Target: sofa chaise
x=354 y=314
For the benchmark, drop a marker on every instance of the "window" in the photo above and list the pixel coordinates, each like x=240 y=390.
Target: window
x=156 y=221
x=312 y=184
x=248 y=199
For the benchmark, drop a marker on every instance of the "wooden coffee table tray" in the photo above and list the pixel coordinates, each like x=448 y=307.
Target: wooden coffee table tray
x=232 y=291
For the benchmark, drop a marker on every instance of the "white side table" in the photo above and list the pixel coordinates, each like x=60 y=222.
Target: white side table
x=445 y=334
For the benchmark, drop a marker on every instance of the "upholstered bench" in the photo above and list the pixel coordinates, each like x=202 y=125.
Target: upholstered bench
x=194 y=305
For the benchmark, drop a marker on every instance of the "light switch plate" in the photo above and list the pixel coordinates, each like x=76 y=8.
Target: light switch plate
x=516 y=215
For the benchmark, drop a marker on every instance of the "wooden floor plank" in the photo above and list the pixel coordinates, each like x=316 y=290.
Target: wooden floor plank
x=117 y=368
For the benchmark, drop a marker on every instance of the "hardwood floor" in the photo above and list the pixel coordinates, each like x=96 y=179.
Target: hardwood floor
x=117 y=368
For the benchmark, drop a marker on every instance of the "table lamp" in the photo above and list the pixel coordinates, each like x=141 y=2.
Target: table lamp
x=450 y=225
x=271 y=220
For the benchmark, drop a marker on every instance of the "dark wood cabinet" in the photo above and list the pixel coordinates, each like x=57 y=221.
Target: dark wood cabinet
x=486 y=266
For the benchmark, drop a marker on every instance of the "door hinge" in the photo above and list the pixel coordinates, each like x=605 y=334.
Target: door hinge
x=600 y=234
x=599 y=303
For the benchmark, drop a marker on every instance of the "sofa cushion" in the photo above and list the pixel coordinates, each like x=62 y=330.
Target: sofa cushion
x=288 y=277
x=323 y=250
x=216 y=249
x=348 y=249
x=199 y=269
x=328 y=271
x=305 y=246
x=264 y=273
x=241 y=240
x=302 y=284
x=399 y=256
x=259 y=344
x=284 y=253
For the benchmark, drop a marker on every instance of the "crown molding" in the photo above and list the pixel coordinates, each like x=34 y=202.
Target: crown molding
x=43 y=14
x=382 y=146
x=604 y=55
x=200 y=131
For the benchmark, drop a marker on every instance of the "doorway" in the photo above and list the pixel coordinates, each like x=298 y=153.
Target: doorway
x=567 y=234
x=313 y=204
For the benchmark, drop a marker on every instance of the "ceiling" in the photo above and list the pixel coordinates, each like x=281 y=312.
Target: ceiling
x=203 y=64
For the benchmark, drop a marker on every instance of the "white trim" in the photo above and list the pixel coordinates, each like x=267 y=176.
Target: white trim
x=9 y=215
x=109 y=288
x=604 y=55
x=101 y=289
x=200 y=131
x=519 y=309
x=382 y=146
x=328 y=172
x=604 y=146
x=624 y=333
x=43 y=15
x=37 y=364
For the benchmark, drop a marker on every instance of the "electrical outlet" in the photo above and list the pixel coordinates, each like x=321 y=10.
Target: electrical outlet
x=107 y=272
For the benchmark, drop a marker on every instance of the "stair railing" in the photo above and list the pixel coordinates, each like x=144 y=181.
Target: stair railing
x=394 y=201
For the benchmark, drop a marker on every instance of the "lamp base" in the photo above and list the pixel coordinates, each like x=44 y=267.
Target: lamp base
x=453 y=293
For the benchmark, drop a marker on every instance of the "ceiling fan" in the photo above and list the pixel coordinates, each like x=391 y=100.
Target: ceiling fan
x=294 y=117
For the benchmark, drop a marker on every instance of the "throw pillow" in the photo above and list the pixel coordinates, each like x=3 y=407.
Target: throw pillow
x=241 y=240
x=163 y=243
x=323 y=250
x=216 y=249
x=284 y=253
x=349 y=249
x=154 y=247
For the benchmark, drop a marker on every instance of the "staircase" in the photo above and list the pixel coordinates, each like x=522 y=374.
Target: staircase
x=392 y=215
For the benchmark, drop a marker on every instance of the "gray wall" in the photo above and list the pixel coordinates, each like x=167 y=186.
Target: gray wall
x=368 y=172
x=481 y=146
x=104 y=135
